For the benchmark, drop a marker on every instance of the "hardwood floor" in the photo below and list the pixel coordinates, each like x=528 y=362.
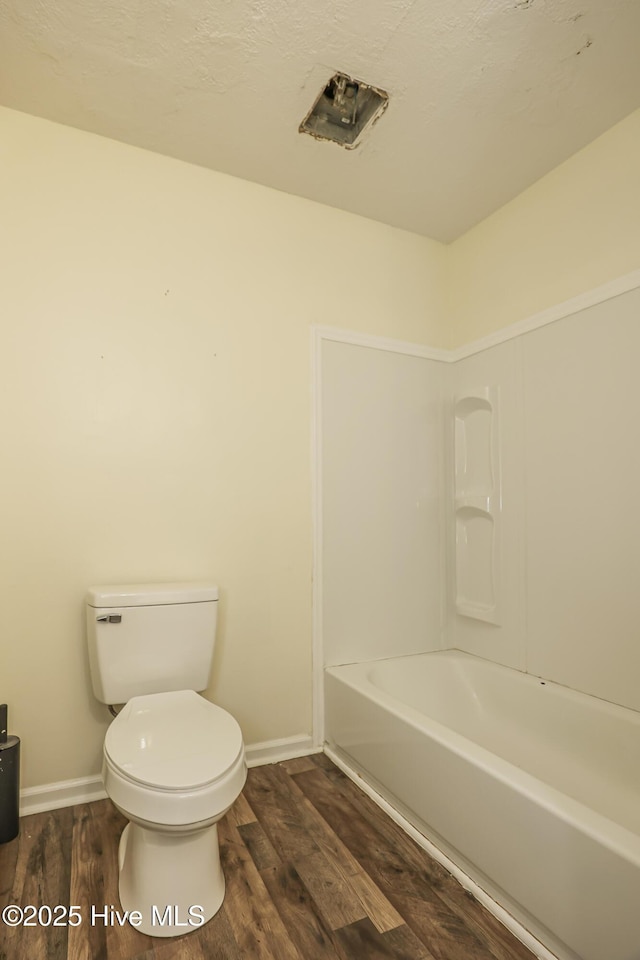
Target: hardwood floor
x=314 y=869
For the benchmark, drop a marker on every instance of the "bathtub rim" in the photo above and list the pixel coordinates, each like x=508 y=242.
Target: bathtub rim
x=614 y=836
x=463 y=656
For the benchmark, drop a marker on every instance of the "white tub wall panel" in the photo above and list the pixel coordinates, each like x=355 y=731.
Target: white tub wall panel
x=498 y=367
x=582 y=463
x=382 y=487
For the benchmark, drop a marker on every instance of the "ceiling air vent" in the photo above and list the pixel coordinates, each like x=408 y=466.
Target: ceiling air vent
x=344 y=109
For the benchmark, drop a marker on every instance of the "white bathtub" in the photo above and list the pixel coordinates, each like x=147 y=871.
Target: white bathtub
x=531 y=788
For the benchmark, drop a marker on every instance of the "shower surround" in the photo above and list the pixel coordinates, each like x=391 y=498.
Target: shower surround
x=476 y=607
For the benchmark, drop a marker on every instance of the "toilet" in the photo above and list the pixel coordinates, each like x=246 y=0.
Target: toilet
x=173 y=762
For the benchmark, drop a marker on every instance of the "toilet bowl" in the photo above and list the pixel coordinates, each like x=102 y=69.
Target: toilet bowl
x=173 y=765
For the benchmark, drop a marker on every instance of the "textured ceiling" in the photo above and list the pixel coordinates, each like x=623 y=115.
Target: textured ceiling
x=486 y=96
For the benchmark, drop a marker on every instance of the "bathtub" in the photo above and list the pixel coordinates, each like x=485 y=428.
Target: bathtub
x=531 y=789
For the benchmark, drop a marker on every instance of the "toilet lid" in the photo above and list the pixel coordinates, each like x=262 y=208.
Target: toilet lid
x=173 y=741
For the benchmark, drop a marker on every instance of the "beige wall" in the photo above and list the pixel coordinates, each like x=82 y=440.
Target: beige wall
x=155 y=405
x=573 y=230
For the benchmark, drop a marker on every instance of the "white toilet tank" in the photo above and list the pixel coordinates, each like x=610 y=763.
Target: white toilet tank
x=150 y=638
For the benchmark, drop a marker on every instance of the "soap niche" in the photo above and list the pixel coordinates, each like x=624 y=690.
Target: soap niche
x=478 y=505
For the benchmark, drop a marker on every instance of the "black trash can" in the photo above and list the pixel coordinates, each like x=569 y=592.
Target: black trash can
x=9 y=781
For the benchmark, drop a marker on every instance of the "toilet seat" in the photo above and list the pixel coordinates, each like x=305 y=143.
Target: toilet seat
x=173 y=758
x=174 y=741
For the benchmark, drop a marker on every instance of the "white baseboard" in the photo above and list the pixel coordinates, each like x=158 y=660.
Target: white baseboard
x=66 y=793
x=273 y=751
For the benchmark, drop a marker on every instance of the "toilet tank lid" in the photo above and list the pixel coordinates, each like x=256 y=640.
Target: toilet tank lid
x=151 y=594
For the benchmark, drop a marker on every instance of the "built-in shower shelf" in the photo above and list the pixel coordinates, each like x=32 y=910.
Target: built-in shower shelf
x=476 y=611
x=477 y=505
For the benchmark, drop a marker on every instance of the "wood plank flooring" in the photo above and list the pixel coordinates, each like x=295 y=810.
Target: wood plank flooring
x=314 y=871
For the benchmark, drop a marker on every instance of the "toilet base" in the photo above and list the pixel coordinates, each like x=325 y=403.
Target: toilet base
x=173 y=879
